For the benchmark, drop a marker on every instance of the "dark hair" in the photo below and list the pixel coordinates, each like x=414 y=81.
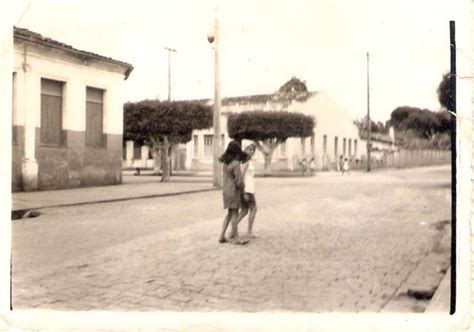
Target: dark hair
x=233 y=152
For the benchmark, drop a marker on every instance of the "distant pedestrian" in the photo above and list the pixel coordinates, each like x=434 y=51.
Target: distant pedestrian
x=340 y=164
x=312 y=166
x=232 y=189
x=345 y=167
x=304 y=166
x=248 y=198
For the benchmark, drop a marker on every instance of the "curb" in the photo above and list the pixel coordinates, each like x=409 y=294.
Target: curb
x=21 y=212
x=441 y=298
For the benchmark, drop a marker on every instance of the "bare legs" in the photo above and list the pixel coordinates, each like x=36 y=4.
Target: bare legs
x=232 y=217
x=252 y=214
x=233 y=223
x=225 y=224
x=243 y=212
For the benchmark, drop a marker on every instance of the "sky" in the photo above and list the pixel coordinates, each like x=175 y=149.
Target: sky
x=266 y=42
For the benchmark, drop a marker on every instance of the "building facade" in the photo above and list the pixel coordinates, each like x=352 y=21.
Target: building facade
x=335 y=133
x=67 y=115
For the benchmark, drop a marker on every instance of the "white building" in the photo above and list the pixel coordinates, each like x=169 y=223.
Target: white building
x=67 y=115
x=335 y=132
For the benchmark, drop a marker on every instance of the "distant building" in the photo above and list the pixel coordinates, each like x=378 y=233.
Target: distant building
x=67 y=115
x=335 y=132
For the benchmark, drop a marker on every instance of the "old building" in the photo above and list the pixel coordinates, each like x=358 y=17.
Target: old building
x=335 y=134
x=67 y=115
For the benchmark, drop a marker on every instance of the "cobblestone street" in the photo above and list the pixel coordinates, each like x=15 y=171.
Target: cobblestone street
x=327 y=243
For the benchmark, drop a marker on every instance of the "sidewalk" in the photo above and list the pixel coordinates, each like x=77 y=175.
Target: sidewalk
x=441 y=298
x=133 y=187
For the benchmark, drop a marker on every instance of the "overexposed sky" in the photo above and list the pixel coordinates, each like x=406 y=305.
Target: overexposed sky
x=266 y=42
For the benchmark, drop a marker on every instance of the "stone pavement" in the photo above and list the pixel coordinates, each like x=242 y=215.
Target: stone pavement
x=345 y=244
x=132 y=187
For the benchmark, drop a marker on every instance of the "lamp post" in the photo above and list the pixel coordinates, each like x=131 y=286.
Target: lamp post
x=216 y=174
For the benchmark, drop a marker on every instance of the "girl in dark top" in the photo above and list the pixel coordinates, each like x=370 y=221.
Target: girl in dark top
x=232 y=189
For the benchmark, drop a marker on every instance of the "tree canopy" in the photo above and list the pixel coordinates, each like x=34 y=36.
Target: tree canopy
x=424 y=123
x=164 y=125
x=262 y=125
x=414 y=125
x=445 y=97
x=294 y=85
x=268 y=129
x=421 y=121
x=156 y=119
x=375 y=127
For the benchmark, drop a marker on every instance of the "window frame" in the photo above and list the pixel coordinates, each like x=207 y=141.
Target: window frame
x=91 y=101
x=46 y=96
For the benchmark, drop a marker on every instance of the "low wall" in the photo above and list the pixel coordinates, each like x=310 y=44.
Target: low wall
x=405 y=158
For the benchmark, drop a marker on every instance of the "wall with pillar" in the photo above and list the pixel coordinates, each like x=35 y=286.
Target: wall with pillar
x=71 y=164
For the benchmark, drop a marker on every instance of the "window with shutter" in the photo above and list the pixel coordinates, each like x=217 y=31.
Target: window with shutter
x=51 y=112
x=94 y=116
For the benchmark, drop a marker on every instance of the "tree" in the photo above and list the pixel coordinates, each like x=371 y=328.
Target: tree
x=294 y=85
x=445 y=96
x=415 y=125
x=268 y=129
x=424 y=123
x=444 y=121
x=399 y=115
x=375 y=127
x=164 y=125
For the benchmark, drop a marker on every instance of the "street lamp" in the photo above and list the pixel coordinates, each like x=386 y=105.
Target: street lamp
x=216 y=174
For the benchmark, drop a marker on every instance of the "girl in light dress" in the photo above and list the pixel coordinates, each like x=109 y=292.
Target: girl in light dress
x=345 y=166
x=249 y=204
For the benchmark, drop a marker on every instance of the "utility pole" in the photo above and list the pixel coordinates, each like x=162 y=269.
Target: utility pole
x=169 y=93
x=452 y=92
x=369 y=129
x=217 y=173
x=169 y=70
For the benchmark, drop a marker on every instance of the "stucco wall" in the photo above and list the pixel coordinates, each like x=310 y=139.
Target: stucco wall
x=72 y=164
x=17 y=156
x=75 y=165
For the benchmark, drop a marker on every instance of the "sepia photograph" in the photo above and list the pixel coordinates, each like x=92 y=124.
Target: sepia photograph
x=236 y=165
